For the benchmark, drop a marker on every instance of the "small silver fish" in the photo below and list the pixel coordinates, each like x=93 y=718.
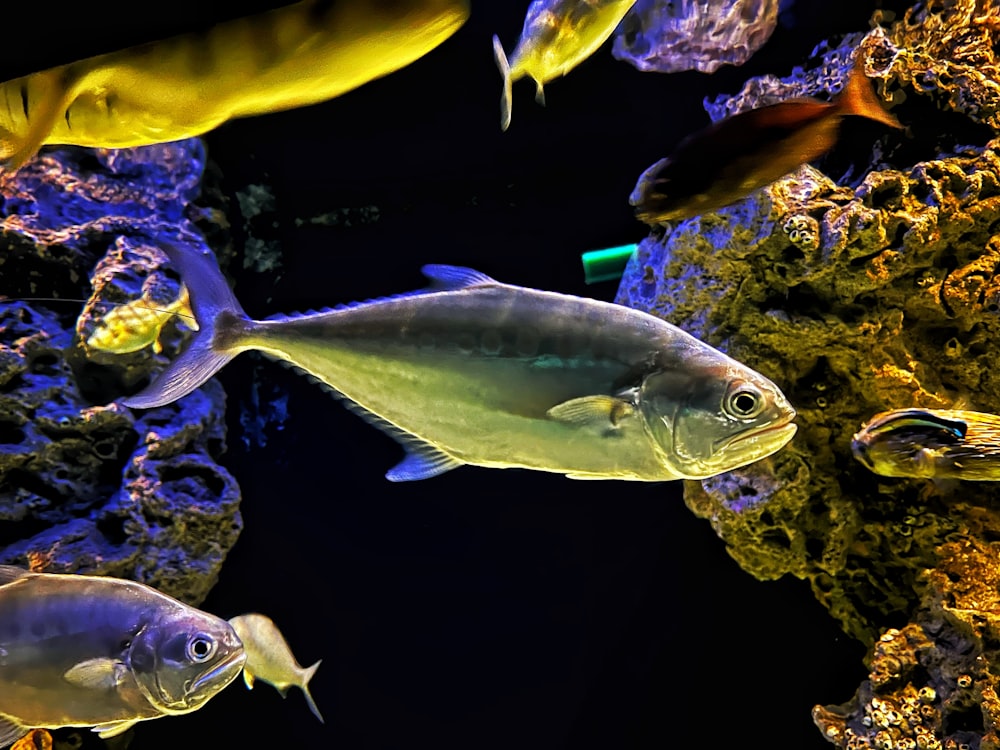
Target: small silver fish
x=557 y=36
x=472 y=371
x=270 y=659
x=931 y=444
x=89 y=651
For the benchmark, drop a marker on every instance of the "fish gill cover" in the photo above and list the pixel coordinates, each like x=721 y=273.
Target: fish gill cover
x=86 y=487
x=878 y=291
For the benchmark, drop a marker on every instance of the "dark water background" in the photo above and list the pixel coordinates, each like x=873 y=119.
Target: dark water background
x=480 y=609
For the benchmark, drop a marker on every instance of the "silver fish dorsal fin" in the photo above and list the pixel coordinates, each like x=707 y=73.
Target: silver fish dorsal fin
x=10 y=573
x=449 y=278
x=443 y=278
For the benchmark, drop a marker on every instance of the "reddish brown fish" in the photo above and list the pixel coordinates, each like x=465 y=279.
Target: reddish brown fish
x=728 y=160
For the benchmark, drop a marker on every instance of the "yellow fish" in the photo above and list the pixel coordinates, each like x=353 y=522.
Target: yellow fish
x=557 y=36
x=186 y=85
x=270 y=659
x=137 y=324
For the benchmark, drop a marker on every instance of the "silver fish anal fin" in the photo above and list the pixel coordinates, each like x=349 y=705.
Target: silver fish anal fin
x=605 y=410
x=422 y=461
x=10 y=731
x=114 y=728
x=96 y=674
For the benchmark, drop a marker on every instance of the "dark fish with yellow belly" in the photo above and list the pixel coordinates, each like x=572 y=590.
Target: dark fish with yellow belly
x=87 y=651
x=472 y=371
x=931 y=444
x=184 y=86
x=728 y=160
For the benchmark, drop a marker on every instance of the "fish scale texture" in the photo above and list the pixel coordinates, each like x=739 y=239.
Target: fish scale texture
x=880 y=292
x=85 y=484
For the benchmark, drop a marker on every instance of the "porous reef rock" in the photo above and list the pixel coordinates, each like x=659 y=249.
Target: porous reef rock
x=878 y=293
x=669 y=36
x=86 y=485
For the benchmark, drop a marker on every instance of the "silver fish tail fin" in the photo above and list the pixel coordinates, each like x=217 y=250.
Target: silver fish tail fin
x=221 y=321
x=307 y=674
x=507 y=96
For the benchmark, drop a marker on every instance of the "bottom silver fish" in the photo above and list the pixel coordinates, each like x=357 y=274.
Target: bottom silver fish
x=89 y=651
x=931 y=444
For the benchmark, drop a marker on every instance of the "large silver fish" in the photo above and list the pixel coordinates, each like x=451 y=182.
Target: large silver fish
x=270 y=659
x=81 y=651
x=472 y=371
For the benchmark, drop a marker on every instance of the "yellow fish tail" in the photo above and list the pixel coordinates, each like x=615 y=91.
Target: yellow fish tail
x=859 y=98
x=506 y=98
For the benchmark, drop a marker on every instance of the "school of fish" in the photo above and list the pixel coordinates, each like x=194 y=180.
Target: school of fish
x=468 y=371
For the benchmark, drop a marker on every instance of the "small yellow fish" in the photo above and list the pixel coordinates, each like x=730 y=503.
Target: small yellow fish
x=557 y=36
x=184 y=86
x=931 y=444
x=137 y=324
x=270 y=659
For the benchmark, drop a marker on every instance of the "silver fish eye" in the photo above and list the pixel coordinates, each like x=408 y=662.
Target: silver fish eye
x=744 y=402
x=200 y=647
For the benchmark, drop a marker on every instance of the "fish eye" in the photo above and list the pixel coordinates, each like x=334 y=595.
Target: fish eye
x=744 y=402
x=200 y=647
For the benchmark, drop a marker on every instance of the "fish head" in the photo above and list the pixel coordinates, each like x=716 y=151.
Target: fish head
x=710 y=417
x=908 y=443
x=183 y=658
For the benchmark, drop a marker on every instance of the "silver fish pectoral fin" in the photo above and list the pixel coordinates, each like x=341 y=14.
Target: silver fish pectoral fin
x=96 y=674
x=10 y=731
x=248 y=678
x=114 y=728
x=604 y=410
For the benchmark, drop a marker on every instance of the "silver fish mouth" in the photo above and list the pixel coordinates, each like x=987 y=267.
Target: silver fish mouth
x=221 y=674
x=761 y=442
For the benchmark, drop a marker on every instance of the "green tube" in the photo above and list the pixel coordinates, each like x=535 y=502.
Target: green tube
x=607 y=264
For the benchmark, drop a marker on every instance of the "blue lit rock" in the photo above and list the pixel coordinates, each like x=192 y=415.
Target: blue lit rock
x=670 y=36
x=85 y=484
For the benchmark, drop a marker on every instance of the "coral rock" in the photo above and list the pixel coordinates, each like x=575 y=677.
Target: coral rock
x=86 y=485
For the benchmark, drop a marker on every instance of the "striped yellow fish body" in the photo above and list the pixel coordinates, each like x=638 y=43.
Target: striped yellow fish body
x=557 y=36
x=186 y=85
x=138 y=324
x=931 y=444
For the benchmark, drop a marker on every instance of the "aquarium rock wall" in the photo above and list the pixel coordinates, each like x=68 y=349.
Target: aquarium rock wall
x=87 y=485
x=878 y=291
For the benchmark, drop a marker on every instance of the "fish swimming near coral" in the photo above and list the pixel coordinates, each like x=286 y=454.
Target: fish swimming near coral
x=88 y=651
x=931 y=444
x=270 y=659
x=135 y=325
x=728 y=160
x=557 y=36
x=472 y=371
x=186 y=85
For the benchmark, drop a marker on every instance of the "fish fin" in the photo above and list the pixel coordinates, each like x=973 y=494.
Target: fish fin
x=212 y=302
x=445 y=278
x=95 y=674
x=114 y=728
x=586 y=409
x=585 y=476
x=307 y=674
x=10 y=573
x=507 y=96
x=859 y=98
x=10 y=730
x=422 y=461
x=248 y=678
x=539 y=93
x=921 y=419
